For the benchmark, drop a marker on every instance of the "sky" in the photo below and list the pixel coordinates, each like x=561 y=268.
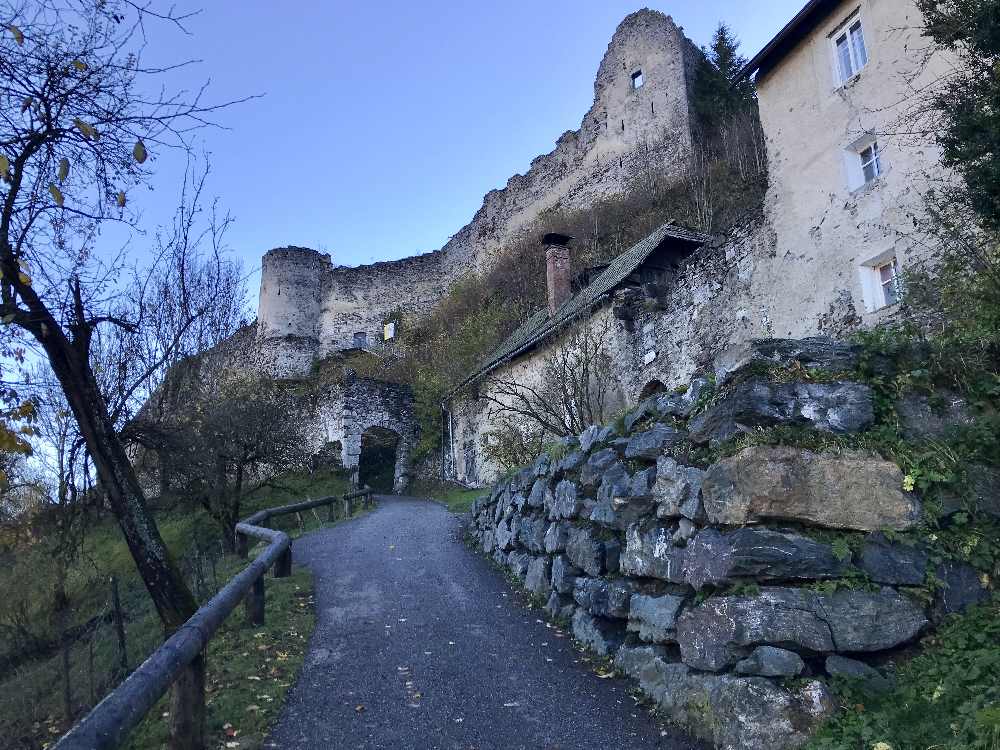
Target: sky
x=380 y=125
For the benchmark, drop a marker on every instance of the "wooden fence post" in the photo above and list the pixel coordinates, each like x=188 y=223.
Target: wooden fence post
x=332 y=510
x=253 y=605
x=187 y=707
x=283 y=565
x=119 y=620
x=241 y=545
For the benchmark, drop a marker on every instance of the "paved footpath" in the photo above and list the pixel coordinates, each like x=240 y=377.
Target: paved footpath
x=420 y=643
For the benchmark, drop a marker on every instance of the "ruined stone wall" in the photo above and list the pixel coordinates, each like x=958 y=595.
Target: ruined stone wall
x=359 y=299
x=309 y=307
x=715 y=583
x=337 y=413
x=625 y=131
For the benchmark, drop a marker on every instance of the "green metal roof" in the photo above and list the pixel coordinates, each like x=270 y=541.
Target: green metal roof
x=540 y=325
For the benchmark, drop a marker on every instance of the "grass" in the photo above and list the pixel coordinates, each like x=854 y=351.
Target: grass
x=31 y=703
x=458 y=498
x=249 y=670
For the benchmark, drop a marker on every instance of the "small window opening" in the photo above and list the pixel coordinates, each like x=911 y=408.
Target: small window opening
x=360 y=340
x=871 y=164
x=637 y=80
x=881 y=282
x=852 y=53
x=623 y=126
x=652 y=109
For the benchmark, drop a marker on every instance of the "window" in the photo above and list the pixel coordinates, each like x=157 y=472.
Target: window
x=889 y=284
x=637 y=80
x=864 y=162
x=871 y=165
x=360 y=340
x=880 y=281
x=851 y=51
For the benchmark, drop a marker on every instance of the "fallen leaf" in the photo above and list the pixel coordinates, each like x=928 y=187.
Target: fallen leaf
x=359 y=708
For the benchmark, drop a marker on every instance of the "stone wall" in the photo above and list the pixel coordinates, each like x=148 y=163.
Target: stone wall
x=732 y=588
x=337 y=413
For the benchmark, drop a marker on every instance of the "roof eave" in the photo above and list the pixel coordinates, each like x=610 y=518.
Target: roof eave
x=789 y=36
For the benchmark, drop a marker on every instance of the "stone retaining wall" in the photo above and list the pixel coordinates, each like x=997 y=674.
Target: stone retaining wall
x=723 y=587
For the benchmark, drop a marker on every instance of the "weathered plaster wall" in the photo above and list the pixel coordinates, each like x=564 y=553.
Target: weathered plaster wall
x=827 y=235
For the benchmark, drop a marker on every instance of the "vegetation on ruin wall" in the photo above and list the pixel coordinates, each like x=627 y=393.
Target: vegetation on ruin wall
x=33 y=684
x=947 y=697
x=724 y=188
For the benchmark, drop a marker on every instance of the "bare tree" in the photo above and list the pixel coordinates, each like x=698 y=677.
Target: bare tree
x=233 y=437
x=76 y=131
x=574 y=390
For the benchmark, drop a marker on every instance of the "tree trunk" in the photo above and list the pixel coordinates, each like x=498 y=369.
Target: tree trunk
x=163 y=580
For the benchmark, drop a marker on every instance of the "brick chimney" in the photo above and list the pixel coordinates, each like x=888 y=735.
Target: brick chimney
x=557 y=269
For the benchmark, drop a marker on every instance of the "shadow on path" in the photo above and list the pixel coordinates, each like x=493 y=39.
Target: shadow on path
x=428 y=639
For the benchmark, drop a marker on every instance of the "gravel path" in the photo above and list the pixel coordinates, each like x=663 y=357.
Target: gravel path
x=422 y=644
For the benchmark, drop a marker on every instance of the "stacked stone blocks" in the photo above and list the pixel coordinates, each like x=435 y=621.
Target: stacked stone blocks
x=718 y=588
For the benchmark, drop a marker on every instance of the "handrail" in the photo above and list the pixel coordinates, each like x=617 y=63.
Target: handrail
x=108 y=724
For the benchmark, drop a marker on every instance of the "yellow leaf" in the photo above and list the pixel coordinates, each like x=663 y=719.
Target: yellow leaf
x=63 y=169
x=139 y=152
x=80 y=65
x=89 y=131
x=18 y=36
x=57 y=195
x=24 y=279
x=4 y=167
x=121 y=199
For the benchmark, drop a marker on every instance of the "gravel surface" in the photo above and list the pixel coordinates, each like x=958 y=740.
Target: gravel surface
x=420 y=643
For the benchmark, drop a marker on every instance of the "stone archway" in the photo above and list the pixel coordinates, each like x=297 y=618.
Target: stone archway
x=376 y=414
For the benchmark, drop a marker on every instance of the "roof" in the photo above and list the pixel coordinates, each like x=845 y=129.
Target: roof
x=807 y=19
x=540 y=324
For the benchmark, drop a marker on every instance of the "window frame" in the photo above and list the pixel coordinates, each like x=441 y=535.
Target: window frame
x=894 y=281
x=875 y=161
x=873 y=288
x=638 y=79
x=845 y=32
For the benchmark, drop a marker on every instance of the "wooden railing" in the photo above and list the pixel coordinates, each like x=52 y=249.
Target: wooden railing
x=108 y=724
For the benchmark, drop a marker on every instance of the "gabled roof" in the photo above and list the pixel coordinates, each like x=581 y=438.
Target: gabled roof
x=807 y=19
x=540 y=325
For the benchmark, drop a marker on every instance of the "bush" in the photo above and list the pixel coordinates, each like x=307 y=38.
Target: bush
x=947 y=698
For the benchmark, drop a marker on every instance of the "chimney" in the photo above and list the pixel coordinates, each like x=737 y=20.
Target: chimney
x=557 y=269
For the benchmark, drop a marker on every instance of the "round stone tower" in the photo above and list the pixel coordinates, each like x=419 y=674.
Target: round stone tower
x=288 y=315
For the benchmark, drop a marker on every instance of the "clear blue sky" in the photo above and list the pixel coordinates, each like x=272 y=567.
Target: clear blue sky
x=383 y=124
